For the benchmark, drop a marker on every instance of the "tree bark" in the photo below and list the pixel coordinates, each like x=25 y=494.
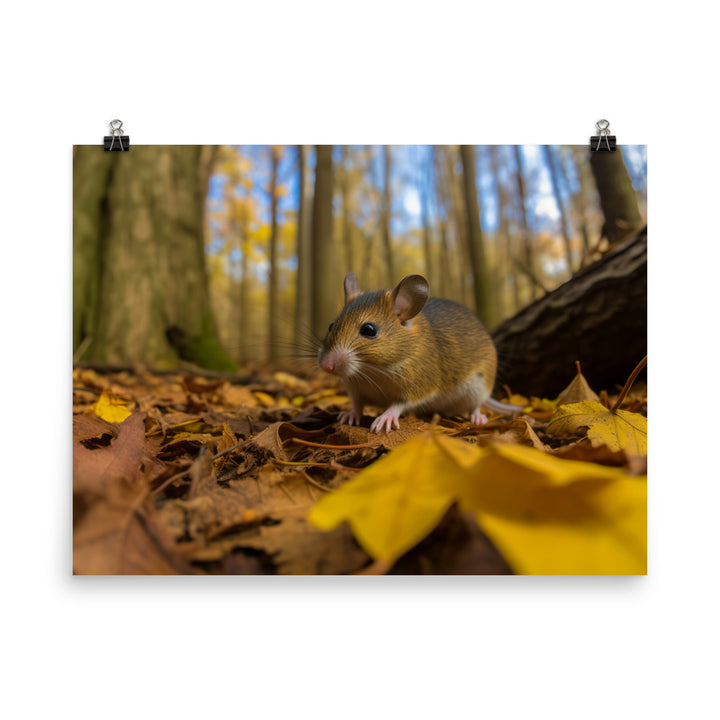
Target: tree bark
x=528 y=259
x=481 y=284
x=387 y=245
x=273 y=274
x=447 y=279
x=140 y=283
x=506 y=275
x=303 y=315
x=459 y=217
x=244 y=303
x=430 y=269
x=326 y=284
x=344 y=183
x=618 y=199
x=599 y=317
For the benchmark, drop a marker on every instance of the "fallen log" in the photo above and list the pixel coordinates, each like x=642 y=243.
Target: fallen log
x=598 y=317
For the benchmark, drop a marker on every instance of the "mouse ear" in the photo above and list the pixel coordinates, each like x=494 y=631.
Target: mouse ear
x=352 y=287
x=409 y=297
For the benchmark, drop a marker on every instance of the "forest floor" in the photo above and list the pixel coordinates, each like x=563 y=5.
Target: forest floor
x=198 y=474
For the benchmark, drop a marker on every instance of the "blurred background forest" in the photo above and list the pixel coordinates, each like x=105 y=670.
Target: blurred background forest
x=225 y=255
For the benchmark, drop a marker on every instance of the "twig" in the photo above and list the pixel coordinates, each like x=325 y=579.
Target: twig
x=331 y=465
x=328 y=447
x=629 y=383
x=170 y=480
x=529 y=273
x=233 y=447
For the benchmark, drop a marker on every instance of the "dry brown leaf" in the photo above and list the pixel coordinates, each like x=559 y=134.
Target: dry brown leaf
x=237 y=396
x=292 y=382
x=100 y=471
x=269 y=441
x=124 y=540
x=520 y=431
x=91 y=427
x=201 y=385
x=114 y=527
x=297 y=548
x=577 y=391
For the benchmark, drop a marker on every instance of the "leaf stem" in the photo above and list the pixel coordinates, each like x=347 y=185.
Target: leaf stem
x=629 y=383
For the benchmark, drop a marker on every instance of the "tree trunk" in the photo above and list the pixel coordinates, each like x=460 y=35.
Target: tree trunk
x=326 y=283
x=599 y=317
x=618 y=198
x=140 y=282
x=528 y=260
x=387 y=246
x=444 y=269
x=273 y=274
x=303 y=314
x=481 y=284
x=440 y=194
x=505 y=271
x=244 y=303
x=459 y=216
x=344 y=183
x=582 y=198
x=430 y=269
x=554 y=171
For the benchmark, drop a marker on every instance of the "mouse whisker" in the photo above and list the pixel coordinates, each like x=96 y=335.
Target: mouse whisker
x=397 y=377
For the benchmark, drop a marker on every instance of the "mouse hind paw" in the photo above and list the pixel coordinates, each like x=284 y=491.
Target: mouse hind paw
x=477 y=417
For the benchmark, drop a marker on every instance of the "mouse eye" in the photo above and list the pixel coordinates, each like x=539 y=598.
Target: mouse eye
x=368 y=330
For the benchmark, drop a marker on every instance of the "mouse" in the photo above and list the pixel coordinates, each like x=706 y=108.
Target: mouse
x=405 y=351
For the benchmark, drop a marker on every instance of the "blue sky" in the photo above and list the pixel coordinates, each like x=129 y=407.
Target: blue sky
x=409 y=164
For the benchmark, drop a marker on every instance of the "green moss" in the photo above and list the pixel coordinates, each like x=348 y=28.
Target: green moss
x=207 y=352
x=204 y=350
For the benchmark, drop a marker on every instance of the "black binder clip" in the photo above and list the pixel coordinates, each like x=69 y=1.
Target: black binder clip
x=116 y=141
x=603 y=141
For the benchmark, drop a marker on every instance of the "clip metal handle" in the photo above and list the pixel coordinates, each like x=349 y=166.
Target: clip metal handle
x=116 y=134
x=603 y=136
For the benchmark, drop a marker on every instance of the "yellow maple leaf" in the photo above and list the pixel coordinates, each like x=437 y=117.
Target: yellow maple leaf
x=546 y=515
x=396 y=501
x=619 y=430
x=110 y=408
x=549 y=516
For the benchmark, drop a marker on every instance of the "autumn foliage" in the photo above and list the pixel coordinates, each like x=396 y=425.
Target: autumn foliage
x=180 y=473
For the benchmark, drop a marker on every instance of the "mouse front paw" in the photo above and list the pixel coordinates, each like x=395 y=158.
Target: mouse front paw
x=388 y=420
x=351 y=417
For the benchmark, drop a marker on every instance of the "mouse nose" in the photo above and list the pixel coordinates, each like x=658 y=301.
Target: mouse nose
x=335 y=361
